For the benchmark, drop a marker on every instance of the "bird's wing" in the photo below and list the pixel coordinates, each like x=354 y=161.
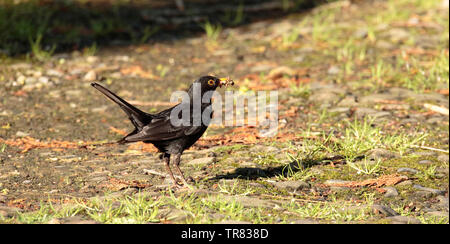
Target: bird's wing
x=160 y=129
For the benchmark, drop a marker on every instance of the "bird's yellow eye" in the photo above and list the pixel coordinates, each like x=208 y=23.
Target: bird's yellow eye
x=211 y=82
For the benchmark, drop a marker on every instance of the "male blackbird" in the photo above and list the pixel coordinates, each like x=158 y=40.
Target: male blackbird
x=157 y=128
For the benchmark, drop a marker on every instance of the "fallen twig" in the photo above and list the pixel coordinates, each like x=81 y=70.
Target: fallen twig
x=154 y=104
x=437 y=109
x=154 y=172
x=430 y=148
x=385 y=180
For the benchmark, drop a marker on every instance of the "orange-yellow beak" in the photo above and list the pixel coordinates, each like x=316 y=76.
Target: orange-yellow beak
x=226 y=82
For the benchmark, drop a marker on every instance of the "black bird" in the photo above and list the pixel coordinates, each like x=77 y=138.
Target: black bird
x=159 y=130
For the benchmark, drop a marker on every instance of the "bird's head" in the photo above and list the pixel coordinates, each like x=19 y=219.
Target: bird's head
x=210 y=83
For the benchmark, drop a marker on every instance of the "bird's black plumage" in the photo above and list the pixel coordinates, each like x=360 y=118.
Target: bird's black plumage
x=157 y=128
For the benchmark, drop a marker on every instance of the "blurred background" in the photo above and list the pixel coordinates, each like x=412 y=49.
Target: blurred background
x=65 y=25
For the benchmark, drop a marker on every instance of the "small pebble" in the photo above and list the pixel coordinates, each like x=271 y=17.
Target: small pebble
x=443 y=158
x=407 y=170
x=435 y=191
x=21 y=134
x=54 y=221
x=90 y=76
x=403 y=220
x=333 y=70
x=390 y=192
x=425 y=162
x=385 y=210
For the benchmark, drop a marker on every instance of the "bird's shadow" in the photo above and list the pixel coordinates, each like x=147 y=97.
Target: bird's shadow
x=286 y=170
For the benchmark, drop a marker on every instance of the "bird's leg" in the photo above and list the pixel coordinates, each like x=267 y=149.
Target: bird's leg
x=177 y=166
x=166 y=158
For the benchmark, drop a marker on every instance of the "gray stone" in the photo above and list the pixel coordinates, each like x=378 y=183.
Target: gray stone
x=54 y=72
x=8 y=212
x=409 y=121
x=216 y=216
x=176 y=215
x=442 y=170
x=380 y=153
x=261 y=68
x=100 y=109
x=360 y=33
x=403 y=220
x=425 y=162
x=334 y=185
x=339 y=110
x=435 y=120
x=22 y=134
x=382 y=44
x=443 y=202
x=438 y=214
x=443 y=158
x=401 y=93
x=30 y=80
x=385 y=210
x=405 y=183
x=434 y=191
x=299 y=59
x=73 y=93
x=54 y=221
x=90 y=76
x=202 y=161
x=423 y=194
x=250 y=171
x=43 y=79
x=390 y=191
x=376 y=98
x=262 y=148
x=407 y=170
x=228 y=181
x=324 y=97
x=427 y=209
x=256 y=184
x=348 y=101
x=92 y=59
x=334 y=70
x=429 y=97
x=281 y=28
x=363 y=112
x=339 y=188
x=381 y=114
x=398 y=34
x=334 y=182
x=291 y=186
x=247 y=201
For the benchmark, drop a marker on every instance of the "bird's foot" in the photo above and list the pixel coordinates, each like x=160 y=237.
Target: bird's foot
x=187 y=185
x=182 y=185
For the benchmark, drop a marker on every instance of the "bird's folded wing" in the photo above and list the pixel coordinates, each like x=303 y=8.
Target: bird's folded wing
x=160 y=129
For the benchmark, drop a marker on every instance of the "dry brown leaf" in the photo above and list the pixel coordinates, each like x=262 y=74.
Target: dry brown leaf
x=137 y=70
x=118 y=131
x=443 y=92
x=385 y=180
x=27 y=143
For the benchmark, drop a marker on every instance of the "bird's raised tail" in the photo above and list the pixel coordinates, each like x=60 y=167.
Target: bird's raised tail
x=136 y=116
